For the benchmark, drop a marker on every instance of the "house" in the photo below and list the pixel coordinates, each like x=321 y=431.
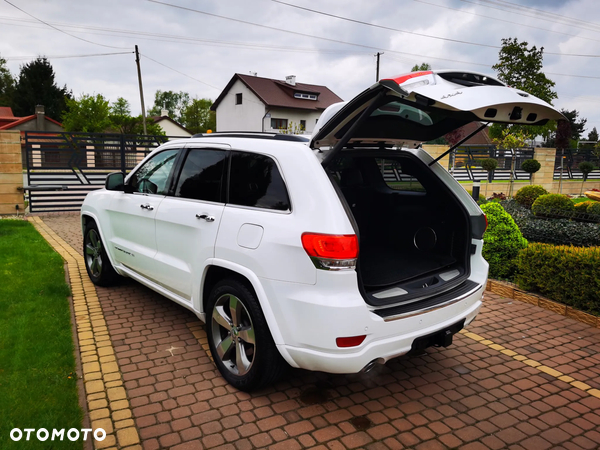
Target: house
x=35 y=122
x=170 y=126
x=251 y=103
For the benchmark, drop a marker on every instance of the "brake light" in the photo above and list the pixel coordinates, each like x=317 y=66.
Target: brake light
x=331 y=251
x=352 y=341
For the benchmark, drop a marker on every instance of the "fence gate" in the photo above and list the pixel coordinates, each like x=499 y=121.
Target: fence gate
x=61 y=168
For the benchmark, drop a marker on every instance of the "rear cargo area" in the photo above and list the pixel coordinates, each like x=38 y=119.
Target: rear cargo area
x=413 y=233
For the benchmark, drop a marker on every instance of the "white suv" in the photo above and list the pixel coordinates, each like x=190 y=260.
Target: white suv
x=332 y=254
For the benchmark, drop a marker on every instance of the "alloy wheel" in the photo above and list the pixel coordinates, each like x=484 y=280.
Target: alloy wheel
x=233 y=334
x=93 y=253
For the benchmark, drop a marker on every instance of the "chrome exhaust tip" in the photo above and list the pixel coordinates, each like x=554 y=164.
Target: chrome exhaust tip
x=371 y=365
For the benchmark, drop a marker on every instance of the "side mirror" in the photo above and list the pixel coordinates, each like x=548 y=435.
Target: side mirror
x=115 y=182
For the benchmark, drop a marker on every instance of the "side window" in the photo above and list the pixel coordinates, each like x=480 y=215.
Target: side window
x=396 y=179
x=202 y=175
x=152 y=177
x=255 y=181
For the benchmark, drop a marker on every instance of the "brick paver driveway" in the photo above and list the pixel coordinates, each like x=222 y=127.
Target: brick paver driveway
x=521 y=378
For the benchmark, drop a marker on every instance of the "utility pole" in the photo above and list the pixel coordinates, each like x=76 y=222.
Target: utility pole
x=139 y=71
x=377 y=70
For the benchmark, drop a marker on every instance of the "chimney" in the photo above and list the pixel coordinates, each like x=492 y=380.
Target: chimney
x=40 y=123
x=291 y=80
x=164 y=112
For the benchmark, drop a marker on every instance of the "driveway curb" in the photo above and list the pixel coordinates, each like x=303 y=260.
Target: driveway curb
x=106 y=398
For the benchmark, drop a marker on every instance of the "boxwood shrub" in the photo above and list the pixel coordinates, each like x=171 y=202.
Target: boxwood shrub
x=566 y=274
x=553 y=231
x=553 y=205
x=528 y=194
x=502 y=241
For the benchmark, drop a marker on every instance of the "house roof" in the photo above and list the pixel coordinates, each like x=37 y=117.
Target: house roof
x=278 y=93
x=22 y=120
x=481 y=138
x=8 y=120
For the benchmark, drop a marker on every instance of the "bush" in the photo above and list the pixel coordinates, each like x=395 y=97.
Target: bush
x=488 y=164
x=586 y=168
x=593 y=208
x=569 y=275
x=528 y=194
x=497 y=197
x=582 y=206
x=531 y=165
x=501 y=241
x=553 y=205
x=553 y=231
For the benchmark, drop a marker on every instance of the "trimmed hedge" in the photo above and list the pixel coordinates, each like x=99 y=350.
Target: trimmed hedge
x=528 y=194
x=553 y=205
x=501 y=241
x=569 y=275
x=553 y=231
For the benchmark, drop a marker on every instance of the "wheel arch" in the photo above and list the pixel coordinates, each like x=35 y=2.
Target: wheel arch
x=218 y=270
x=87 y=217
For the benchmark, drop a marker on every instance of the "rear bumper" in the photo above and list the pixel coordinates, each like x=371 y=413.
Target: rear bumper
x=314 y=348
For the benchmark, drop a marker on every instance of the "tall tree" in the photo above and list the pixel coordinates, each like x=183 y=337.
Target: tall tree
x=577 y=124
x=89 y=114
x=419 y=67
x=520 y=67
x=7 y=85
x=36 y=86
x=197 y=116
x=174 y=102
x=593 y=135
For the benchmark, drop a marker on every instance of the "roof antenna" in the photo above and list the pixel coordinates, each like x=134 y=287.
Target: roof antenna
x=254 y=74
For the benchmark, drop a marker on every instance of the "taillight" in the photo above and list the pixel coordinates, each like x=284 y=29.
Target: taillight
x=331 y=251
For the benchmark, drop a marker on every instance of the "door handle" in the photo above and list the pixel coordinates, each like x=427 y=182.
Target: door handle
x=205 y=217
x=147 y=206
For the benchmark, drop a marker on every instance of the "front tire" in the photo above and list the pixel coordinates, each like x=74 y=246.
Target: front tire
x=239 y=337
x=97 y=264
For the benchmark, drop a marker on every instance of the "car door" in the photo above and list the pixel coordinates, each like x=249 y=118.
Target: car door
x=132 y=213
x=188 y=220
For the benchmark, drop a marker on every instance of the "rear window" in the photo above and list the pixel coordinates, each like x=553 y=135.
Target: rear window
x=255 y=181
x=396 y=179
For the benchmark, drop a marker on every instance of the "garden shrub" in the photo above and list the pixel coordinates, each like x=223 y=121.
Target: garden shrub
x=553 y=205
x=528 y=194
x=594 y=208
x=569 y=275
x=582 y=206
x=501 y=241
x=531 y=166
x=553 y=231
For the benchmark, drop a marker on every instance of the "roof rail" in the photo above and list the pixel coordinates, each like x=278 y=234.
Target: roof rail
x=256 y=135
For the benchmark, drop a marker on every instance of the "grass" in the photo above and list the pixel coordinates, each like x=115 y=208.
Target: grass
x=38 y=385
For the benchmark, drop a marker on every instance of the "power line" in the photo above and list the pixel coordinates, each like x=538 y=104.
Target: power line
x=58 y=29
x=521 y=12
x=412 y=32
x=181 y=73
x=23 y=58
x=311 y=36
x=383 y=27
x=507 y=21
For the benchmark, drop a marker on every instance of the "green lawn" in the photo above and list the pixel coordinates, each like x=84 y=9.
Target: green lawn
x=38 y=386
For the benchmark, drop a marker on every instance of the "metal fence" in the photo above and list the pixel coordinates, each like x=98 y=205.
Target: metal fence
x=62 y=168
x=569 y=160
x=465 y=162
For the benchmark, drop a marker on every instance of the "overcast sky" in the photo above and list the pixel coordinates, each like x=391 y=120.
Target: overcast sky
x=197 y=46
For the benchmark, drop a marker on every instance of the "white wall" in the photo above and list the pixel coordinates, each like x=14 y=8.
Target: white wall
x=171 y=129
x=293 y=116
x=245 y=117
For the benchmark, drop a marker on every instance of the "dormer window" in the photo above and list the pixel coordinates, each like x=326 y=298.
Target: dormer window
x=305 y=96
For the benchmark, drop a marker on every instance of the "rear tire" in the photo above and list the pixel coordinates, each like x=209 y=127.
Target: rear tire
x=239 y=337
x=97 y=264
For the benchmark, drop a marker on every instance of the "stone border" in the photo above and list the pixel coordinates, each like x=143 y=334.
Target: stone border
x=106 y=397
x=510 y=291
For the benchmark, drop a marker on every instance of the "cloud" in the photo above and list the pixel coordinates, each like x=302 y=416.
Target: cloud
x=210 y=49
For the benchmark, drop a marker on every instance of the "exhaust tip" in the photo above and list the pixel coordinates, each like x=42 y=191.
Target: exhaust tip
x=371 y=365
